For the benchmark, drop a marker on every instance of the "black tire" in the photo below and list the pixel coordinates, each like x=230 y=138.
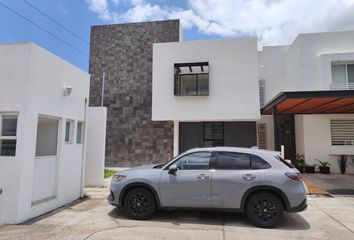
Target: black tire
x=264 y=210
x=139 y=203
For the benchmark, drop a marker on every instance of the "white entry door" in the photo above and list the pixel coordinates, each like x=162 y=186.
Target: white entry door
x=45 y=163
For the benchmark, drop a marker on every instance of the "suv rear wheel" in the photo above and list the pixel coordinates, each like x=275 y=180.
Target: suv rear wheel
x=264 y=210
x=139 y=203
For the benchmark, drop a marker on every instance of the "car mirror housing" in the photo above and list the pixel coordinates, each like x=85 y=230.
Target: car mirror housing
x=172 y=168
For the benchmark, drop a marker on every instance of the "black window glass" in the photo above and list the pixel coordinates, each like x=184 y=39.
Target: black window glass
x=350 y=73
x=232 y=160
x=7 y=147
x=9 y=126
x=194 y=161
x=188 y=85
x=67 y=131
x=259 y=163
x=203 y=84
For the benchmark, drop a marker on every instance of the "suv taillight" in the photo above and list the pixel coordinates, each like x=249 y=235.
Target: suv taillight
x=294 y=176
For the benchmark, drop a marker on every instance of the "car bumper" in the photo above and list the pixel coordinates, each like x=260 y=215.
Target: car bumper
x=299 y=208
x=112 y=199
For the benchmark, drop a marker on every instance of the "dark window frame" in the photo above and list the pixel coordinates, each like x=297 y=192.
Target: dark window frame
x=8 y=140
x=178 y=80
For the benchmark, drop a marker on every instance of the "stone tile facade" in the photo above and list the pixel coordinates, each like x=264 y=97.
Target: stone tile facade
x=124 y=53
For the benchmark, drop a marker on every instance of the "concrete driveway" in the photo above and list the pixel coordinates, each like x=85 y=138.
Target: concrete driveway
x=326 y=218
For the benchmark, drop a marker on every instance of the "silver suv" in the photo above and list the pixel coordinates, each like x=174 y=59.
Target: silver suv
x=256 y=182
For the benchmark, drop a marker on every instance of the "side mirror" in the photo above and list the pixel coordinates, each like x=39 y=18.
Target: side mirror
x=172 y=169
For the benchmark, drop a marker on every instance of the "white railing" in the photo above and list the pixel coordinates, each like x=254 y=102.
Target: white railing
x=342 y=86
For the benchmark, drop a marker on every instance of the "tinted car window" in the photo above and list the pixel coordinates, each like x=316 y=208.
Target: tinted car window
x=259 y=163
x=194 y=161
x=232 y=160
x=283 y=161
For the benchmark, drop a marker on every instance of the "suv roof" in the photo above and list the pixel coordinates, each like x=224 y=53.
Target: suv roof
x=235 y=149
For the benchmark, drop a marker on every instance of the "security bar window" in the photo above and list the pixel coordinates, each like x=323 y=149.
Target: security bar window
x=342 y=132
x=8 y=127
x=213 y=134
x=191 y=79
x=262 y=135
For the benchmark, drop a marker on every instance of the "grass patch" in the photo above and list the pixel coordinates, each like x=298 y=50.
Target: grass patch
x=108 y=172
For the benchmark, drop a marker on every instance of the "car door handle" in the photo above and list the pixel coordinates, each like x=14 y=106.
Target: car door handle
x=203 y=176
x=248 y=177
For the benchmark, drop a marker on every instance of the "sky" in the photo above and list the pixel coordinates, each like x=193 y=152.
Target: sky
x=63 y=26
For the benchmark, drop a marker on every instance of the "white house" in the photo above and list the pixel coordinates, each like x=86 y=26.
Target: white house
x=228 y=93
x=43 y=117
x=209 y=89
x=321 y=63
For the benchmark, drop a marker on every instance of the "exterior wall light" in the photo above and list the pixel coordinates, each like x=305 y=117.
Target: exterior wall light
x=67 y=90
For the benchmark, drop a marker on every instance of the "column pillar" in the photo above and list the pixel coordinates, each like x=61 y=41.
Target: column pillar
x=175 y=138
x=276 y=130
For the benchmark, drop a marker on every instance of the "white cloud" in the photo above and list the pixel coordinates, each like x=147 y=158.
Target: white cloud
x=143 y=12
x=273 y=21
x=101 y=8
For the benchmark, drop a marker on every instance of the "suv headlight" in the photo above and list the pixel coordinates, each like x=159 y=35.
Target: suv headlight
x=118 y=177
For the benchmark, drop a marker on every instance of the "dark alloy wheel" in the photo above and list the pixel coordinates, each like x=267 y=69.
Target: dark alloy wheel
x=264 y=210
x=139 y=204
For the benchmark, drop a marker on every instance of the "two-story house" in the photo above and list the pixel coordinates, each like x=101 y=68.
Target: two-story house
x=223 y=93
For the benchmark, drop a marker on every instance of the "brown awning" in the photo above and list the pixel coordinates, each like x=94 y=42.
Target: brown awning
x=311 y=102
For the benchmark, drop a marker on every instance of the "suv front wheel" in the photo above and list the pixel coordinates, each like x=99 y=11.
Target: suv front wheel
x=264 y=210
x=139 y=203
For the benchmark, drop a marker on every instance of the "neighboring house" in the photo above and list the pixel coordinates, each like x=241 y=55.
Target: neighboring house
x=224 y=93
x=317 y=119
x=43 y=133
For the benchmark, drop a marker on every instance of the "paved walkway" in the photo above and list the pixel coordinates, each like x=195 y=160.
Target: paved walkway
x=325 y=218
x=332 y=183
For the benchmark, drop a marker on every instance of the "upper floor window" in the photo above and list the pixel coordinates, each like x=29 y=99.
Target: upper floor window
x=8 y=132
x=191 y=79
x=343 y=76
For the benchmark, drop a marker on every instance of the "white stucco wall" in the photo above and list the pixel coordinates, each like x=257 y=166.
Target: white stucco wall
x=268 y=120
x=233 y=81
x=316 y=140
x=33 y=81
x=272 y=68
x=96 y=146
